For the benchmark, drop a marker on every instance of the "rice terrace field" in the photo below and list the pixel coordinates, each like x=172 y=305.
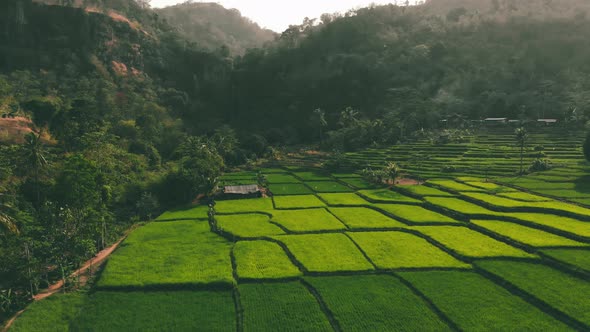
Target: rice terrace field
x=475 y=250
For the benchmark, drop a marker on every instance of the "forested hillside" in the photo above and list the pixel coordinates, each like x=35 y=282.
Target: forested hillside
x=212 y=27
x=135 y=111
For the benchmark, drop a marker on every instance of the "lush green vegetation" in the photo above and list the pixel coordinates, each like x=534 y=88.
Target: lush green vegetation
x=199 y=212
x=263 y=260
x=560 y=290
x=477 y=304
x=328 y=187
x=470 y=243
x=298 y=202
x=360 y=217
x=290 y=189
x=54 y=313
x=391 y=250
x=248 y=225
x=307 y=220
x=244 y=205
x=161 y=254
x=317 y=252
x=375 y=303
x=181 y=310
x=579 y=258
x=414 y=214
x=527 y=235
x=271 y=305
x=343 y=199
x=425 y=191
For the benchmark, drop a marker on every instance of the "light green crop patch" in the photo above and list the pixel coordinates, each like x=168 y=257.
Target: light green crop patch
x=276 y=306
x=307 y=220
x=425 y=191
x=415 y=214
x=461 y=206
x=522 y=196
x=454 y=185
x=326 y=252
x=178 y=253
x=198 y=212
x=391 y=250
x=477 y=304
x=313 y=176
x=526 y=235
x=248 y=225
x=560 y=290
x=244 y=205
x=375 y=303
x=51 y=314
x=387 y=195
x=360 y=217
x=569 y=225
x=470 y=243
x=263 y=260
x=358 y=183
x=281 y=178
x=343 y=199
x=297 y=202
x=510 y=203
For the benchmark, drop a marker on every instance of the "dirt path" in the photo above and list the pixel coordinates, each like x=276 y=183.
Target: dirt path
x=84 y=272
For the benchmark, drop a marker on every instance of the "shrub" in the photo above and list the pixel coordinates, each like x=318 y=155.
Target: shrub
x=540 y=165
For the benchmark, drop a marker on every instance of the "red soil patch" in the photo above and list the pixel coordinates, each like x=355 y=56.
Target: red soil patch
x=408 y=182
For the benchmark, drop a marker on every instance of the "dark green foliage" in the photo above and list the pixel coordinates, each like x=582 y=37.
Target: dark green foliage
x=587 y=147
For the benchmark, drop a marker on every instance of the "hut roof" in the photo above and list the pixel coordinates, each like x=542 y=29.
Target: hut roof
x=241 y=190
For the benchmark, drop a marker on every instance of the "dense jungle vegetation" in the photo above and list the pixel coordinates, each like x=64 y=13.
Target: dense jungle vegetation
x=134 y=110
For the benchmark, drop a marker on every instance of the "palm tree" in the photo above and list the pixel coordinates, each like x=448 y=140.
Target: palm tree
x=392 y=171
x=7 y=222
x=348 y=116
x=521 y=136
x=34 y=157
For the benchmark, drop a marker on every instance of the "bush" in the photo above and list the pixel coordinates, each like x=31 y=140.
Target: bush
x=540 y=165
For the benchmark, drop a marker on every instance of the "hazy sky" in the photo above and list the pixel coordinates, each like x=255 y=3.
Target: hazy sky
x=278 y=14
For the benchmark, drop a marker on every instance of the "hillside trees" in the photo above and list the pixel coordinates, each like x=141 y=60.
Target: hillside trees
x=586 y=147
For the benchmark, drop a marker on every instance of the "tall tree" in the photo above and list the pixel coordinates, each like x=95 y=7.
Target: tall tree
x=521 y=136
x=34 y=158
x=319 y=121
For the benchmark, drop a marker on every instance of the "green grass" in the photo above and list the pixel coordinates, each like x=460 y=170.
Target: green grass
x=391 y=250
x=387 y=195
x=198 y=212
x=313 y=176
x=157 y=311
x=51 y=314
x=307 y=220
x=525 y=197
x=425 y=191
x=343 y=199
x=489 y=186
x=328 y=187
x=248 y=225
x=579 y=258
x=560 y=290
x=375 y=303
x=530 y=236
x=326 y=252
x=179 y=253
x=263 y=260
x=360 y=217
x=281 y=178
x=470 y=243
x=298 y=202
x=244 y=205
x=358 y=183
x=289 y=189
x=454 y=185
x=281 y=306
x=477 y=304
x=415 y=214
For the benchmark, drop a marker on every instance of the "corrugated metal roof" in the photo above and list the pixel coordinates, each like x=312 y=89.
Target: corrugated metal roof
x=496 y=119
x=244 y=189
